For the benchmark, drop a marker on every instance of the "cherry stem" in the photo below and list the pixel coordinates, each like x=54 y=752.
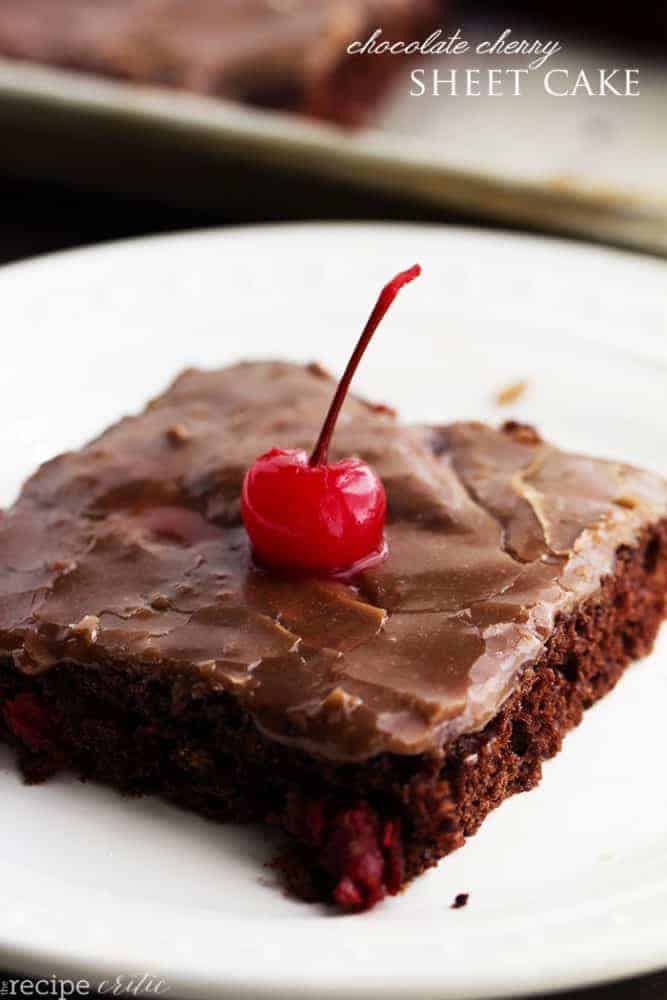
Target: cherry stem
x=385 y=299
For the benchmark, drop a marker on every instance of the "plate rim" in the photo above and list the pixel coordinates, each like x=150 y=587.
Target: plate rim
x=653 y=954
x=490 y=234
x=625 y=217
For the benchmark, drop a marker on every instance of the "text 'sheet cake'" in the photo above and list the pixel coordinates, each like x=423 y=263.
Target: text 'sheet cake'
x=377 y=720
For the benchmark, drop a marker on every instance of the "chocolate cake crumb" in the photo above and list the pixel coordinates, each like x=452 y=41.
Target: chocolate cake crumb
x=511 y=393
x=460 y=901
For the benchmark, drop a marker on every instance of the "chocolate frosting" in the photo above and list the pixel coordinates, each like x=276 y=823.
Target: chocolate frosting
x=130 y=553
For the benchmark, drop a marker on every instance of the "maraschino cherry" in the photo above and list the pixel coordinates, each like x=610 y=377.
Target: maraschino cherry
x=304 y=514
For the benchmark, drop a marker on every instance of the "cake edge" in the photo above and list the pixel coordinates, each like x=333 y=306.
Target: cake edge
x=358 y=831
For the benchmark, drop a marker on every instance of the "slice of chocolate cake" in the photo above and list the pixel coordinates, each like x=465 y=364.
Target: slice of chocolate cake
x=377 y=720
x=288 y=54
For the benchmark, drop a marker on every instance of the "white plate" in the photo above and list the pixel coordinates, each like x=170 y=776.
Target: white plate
x=581 y=164
x=568 y=885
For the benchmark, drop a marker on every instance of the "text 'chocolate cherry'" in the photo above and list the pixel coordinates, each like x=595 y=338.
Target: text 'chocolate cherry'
x=306 y=515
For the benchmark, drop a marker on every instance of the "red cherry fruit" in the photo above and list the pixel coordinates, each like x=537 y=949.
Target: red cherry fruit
x=306 y=515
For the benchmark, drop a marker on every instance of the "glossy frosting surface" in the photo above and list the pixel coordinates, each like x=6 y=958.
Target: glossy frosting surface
x=130 y=552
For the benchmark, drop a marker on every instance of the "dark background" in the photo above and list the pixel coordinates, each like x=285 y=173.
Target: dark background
x=39 y=217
